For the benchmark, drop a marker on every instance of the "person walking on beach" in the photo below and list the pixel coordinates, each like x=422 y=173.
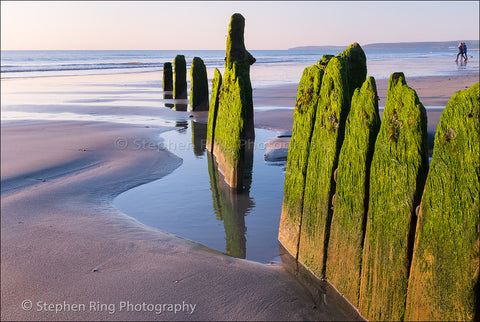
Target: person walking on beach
x=464 y=50
x=460 y=51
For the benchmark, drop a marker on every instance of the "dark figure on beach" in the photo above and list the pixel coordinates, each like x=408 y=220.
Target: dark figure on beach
x=464 y=50
x=460 y=51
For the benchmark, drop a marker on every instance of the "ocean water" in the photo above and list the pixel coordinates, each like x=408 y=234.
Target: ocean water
x=271 y=68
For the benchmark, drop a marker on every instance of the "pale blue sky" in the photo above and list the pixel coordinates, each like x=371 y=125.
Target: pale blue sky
x=204 y=25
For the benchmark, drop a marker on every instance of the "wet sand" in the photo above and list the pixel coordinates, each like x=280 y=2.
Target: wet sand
x=63 y=243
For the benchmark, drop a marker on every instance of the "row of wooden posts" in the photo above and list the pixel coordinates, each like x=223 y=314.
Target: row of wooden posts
x=175 y=81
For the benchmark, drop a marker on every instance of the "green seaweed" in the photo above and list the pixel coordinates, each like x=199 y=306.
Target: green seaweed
x=350 y=203
x=234 y=126
x=303 y=121
x=357 y=66
x=180 y=77
x=327 y=138
x=229 y=128
x=445 y=264
x=167 y=77
x=236 y=54
x=213 y=109
x=398 y=172
x=198 y=85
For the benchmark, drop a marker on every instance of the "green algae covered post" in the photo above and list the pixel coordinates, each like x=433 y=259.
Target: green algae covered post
x=397 y=176
x=445 y=264
x=327 y=137
x=167 y=77
x=357 y=66
x=213 y=108
x=303 y=121
x=234 y=126
x=350 y=201
x=198 y=85
x=229 y=129
x=236 y=53
x=180 y=77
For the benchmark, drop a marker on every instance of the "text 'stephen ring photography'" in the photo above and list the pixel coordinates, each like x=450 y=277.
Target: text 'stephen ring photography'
x=240 y=161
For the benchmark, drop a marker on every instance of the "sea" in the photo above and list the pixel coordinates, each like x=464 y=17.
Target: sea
x=272 y=67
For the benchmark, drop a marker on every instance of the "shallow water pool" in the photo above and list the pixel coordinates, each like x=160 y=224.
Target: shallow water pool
x=194 y=202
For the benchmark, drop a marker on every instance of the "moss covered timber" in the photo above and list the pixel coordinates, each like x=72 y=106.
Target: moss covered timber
x=237 y=54
x=167 y=77
x=233 y=128
x=397 y=176
x=303 y=121
x=357 y=66
x=327 y=138
x=229 y=136
x=198 y=85
x=213 y=108
x=180 y=77
x=350 y=202
x=444 y=279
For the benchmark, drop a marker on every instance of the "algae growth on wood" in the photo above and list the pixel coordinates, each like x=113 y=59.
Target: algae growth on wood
x=327 y=138
x=213 y=108
x=357 y=66
x=167 y=77
x=298 y=149
x=350 y=201
x=233 y=127
x=180 y=77
x=398 y=171
x=198 y=85
x=444 y=279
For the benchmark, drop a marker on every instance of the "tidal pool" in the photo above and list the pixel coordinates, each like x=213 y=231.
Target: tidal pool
x=195 y=203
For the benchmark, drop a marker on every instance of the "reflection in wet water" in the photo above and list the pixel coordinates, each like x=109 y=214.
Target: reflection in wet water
x=230 y=205
x=194 y=202
x=181 y=107
x=199 y=138
x=168 y=96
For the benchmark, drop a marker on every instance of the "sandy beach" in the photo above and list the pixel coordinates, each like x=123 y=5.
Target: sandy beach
x=65 y=247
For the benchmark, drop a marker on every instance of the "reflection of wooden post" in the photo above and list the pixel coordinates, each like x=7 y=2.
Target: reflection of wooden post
x=350 y=201
x=444 y=279
x=231 y=207
x=198 y=86
x=233 y=126
x=180 y=79
x=199 y=133
x=397 y=176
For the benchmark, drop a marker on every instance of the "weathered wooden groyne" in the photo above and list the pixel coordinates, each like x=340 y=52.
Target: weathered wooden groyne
x=230 y=126
x=198 y=86
x=353 y=212
x=444 y=277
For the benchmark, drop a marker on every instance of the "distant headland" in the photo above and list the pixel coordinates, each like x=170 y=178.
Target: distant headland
x=427 y=45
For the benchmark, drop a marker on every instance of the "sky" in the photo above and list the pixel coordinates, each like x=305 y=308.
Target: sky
x=198 y=25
